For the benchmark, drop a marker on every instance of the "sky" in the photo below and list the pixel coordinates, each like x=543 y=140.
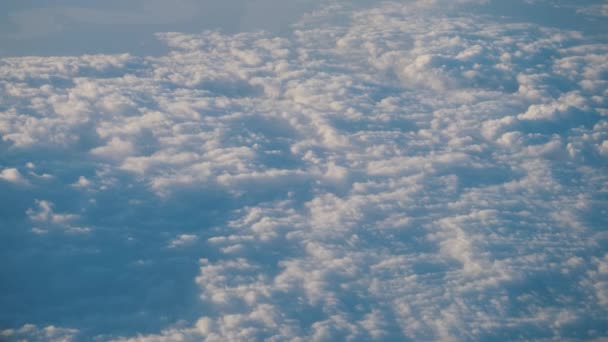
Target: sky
x=308 y=171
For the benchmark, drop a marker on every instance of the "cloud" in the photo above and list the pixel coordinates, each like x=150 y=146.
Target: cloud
x=402 y=171
x=13 y=175
x=82 y=182
x=30 y=332
x=116 y=148
x=183 y=240
x=45 y=216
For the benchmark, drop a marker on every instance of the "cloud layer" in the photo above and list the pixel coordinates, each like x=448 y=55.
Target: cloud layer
x=402 y=172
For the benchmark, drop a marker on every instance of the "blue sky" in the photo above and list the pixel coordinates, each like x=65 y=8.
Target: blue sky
x=76 y=27
x=318 y=170
x=70 y=27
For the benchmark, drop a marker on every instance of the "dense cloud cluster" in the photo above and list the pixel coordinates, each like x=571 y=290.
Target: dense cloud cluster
x=397 y=172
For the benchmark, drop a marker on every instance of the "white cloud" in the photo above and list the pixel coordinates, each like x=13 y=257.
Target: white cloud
x=13 y=175
x=603 y=148
x=82 y=182
x=46 y=217
x=115 y=149
x=404 y=171
x=183 y=240
x=552 y=111
x=594 y=10
x=30 y=332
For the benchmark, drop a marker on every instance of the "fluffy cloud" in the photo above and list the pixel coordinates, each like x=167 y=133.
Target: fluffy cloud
x=45 y=217
x=405 y=171
x=12 y=175
x=183 y=240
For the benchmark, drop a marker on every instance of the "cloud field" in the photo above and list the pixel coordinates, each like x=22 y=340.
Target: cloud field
x=401 y=171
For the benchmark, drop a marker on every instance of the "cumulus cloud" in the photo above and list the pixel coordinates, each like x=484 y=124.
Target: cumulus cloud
x=82 y=182
x=46 y=218
x=403 y=171
x=183 y=240
x=13 y=175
